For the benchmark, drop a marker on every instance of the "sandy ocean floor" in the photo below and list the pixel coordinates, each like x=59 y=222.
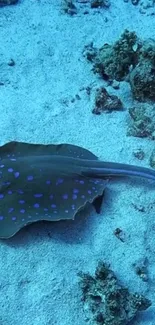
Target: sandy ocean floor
x=38 y=104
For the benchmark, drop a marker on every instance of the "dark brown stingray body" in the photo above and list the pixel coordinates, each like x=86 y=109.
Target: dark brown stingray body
x=51 y=182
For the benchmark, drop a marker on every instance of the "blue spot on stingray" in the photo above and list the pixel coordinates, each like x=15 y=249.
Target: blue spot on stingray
x=1 y=218
x=30 y=178
x=10 y=170
x=59 y=181
x=11 y=210
x=14 y=218
x=65 y=196
x=51 y=196
x=16 y=174
x=10 y=192
x=97 y=181
x=21 y=201
x=53 y=205
x=38 y=195
x=81 y=182
x=13 y=159
x=82 y=196
x=36 y=205
x=1 y=166
x=89 y=192
x=20 y=191
x=74 y=196
x=48 y=182
x=45 y=209
x=22 y=211
x=66 y=211
x=75 y=191
x=73 y=206
x=1 y=196
x=6 y=183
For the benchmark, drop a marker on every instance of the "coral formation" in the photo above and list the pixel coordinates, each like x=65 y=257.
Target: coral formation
x=141 y=269
x=139 y=154
x=114 y=61
x=69 y=7
x=72 y=7
x=106 y=302
x=128 y=59
x=142 y=121
x=100 y=3
x=105 y=102
x=142 y=77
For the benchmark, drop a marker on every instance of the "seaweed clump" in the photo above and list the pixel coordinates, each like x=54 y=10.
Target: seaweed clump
x=142 y=121
x=106 y=301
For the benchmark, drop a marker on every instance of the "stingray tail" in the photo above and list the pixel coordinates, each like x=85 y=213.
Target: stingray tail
x=107 y=169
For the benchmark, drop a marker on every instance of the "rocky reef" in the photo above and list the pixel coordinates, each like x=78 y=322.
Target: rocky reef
x=106 y=302
x=129 y=59
x=142 y=123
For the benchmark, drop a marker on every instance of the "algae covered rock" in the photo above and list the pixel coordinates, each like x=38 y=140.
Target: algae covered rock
x=142 y=121
x=142 y=77
x=69 y=7
x=114 y=61
x=106 y=302
x=100 y=3
x=129 y=59
x=104 y=102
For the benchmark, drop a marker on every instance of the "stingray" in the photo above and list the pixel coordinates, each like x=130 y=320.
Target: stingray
x=52 y=182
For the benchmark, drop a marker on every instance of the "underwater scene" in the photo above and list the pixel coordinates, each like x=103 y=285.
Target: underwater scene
x=77 y=162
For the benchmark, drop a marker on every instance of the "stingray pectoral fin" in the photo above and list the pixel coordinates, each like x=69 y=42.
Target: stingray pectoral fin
x=9 y=229
x=42 y=199
x=34 y=186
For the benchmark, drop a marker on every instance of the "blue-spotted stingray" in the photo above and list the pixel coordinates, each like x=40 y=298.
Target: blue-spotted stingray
x=51 y=182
